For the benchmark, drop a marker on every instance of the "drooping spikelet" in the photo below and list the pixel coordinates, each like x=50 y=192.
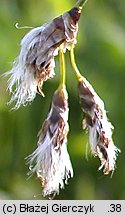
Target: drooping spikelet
x=35 y=63
x=100 y=129
x=50 y=160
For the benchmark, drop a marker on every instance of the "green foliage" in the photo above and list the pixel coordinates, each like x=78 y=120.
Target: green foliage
x=100 y=54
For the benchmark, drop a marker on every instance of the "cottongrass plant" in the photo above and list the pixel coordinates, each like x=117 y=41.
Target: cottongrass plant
x=34 y=65
x=51 y=160
x=96 y=121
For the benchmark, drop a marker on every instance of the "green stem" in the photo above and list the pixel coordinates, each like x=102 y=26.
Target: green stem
x=62 y=68
x=73 y=63
x=81 y=3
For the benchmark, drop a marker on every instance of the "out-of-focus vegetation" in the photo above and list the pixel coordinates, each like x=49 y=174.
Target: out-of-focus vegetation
x=100 y=54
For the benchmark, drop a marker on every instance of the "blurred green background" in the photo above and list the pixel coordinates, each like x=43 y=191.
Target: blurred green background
x=100 y=54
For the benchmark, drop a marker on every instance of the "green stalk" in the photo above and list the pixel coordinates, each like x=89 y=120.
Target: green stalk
x=62 y=68
x=81 y=3
x=73 y=63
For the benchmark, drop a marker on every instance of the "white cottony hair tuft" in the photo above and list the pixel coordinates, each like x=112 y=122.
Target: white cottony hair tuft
x=21 y=75
x=26 y=86
x=52 y=166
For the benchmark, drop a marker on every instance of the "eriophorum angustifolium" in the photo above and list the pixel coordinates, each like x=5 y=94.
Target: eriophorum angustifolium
x=34 y=65
x=96 y=122
x=50 y=160
x=100 y=129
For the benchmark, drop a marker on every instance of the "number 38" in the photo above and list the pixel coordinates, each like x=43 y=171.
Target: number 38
x=115 y=208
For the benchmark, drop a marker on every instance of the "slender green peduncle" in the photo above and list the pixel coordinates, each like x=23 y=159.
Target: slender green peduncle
x=81 y=3
x=62 y=68
x=73 y=63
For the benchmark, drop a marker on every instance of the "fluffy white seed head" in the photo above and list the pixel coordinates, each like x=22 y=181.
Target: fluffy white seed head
x=51 y=160
x=99 y=127
x=35 y=63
